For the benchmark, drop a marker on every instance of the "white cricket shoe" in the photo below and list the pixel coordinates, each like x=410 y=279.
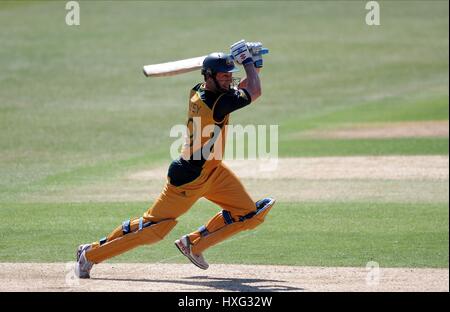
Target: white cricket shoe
x=83 y=266
x=184 y=245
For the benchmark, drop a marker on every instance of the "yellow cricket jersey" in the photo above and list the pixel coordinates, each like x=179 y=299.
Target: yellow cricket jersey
x=205 y=140
x=208 y=117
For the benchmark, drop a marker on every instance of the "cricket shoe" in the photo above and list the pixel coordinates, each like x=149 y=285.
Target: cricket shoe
x=83 y=266
x=185 y=247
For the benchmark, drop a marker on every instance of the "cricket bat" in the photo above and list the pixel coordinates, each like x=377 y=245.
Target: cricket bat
x=179 y=67
x=174 y=68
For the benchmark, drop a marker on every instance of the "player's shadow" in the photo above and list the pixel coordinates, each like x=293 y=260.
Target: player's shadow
x=226 y=284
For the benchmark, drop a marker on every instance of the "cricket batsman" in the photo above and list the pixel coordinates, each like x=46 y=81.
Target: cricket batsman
x=199 y=171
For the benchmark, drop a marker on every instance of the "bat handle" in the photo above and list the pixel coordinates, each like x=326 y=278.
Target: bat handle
x=264 y=51
x=261 y=51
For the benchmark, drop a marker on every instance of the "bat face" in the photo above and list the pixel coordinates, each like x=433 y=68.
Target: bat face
x=174 y=68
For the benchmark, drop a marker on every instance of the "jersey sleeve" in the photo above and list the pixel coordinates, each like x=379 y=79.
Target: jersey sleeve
x=230 y=102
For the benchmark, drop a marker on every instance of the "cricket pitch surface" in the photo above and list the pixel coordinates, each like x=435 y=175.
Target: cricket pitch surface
x=163 y=277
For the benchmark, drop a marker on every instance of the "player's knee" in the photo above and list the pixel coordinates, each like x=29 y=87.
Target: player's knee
x=148 y=231
x=263 y=202
x=252 y=219
x=263 y=207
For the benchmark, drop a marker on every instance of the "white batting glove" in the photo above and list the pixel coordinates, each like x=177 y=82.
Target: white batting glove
x=255 y=50
x=240 y=52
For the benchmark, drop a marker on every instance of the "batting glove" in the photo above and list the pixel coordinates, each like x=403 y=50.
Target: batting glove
x=240 y=52
x=255 y=50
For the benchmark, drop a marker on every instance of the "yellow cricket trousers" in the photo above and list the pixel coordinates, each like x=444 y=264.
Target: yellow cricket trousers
x=219 y=185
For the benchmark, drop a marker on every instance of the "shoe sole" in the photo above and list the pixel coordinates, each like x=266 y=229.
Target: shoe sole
x=187 y=256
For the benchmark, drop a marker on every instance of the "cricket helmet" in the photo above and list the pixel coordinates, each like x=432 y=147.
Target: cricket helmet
x=218 y=62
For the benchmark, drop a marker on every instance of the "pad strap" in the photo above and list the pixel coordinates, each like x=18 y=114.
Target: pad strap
x=203 y=230
x=126 y=227
x=227 y=217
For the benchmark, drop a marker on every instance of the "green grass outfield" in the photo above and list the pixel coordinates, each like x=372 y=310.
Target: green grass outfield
x=323 y=234
x=76 y=110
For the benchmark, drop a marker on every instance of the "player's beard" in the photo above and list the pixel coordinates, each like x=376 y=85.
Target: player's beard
x=220 y=88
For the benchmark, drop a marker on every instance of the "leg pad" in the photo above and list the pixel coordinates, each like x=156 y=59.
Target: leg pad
x=232 y=227
x=142 y=236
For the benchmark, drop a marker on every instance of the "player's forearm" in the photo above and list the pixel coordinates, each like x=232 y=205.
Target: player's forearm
x=243 y=83
x=252 y=82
